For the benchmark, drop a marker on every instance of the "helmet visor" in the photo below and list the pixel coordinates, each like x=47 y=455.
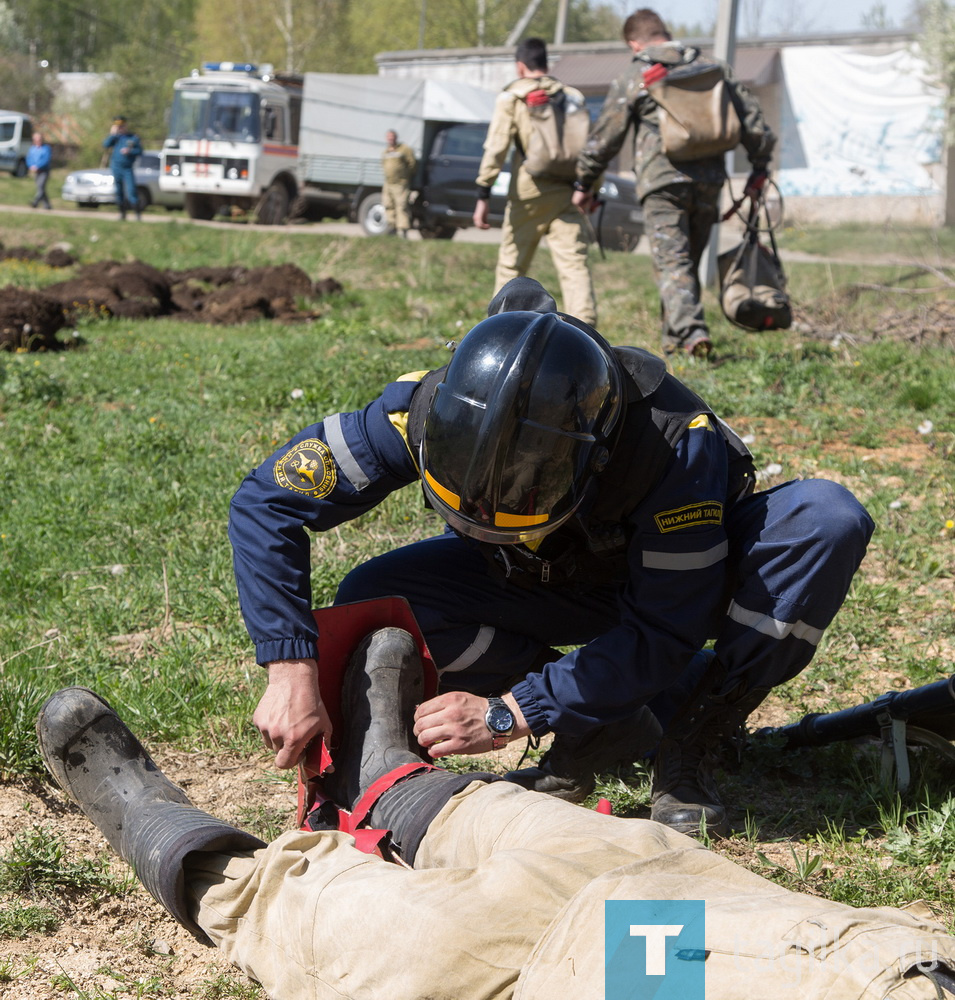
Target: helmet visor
x=516 y=494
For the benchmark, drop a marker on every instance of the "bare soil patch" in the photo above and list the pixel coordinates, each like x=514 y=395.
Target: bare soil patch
x=30 y=320
x=118 y=943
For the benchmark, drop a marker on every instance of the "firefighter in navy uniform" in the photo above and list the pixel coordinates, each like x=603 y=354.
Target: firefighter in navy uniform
x=590 y=500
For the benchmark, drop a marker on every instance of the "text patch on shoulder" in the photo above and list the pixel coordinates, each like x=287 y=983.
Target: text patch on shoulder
x=704 y=512
x=307 y=468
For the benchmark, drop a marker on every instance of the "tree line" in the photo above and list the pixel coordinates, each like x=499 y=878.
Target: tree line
x=143 y=48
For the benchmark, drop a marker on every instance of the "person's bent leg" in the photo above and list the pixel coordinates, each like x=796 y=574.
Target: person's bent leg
x=795 y=550
x=482 y=631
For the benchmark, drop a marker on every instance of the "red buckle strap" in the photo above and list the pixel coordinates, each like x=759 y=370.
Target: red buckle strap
x=349 y=822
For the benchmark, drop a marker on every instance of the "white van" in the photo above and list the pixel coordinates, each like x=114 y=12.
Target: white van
x=16 y=136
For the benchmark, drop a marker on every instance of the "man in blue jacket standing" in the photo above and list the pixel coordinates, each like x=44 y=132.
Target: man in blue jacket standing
x=38 y=163
x=590 y=500
x=125 y=149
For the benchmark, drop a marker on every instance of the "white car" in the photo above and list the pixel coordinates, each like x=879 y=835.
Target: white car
x=94 y=187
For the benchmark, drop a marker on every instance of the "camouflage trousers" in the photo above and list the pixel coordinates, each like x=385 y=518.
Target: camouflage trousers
x=678 y=220
x=394 y=197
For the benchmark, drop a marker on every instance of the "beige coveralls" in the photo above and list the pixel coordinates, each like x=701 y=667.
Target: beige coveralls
x=536 y=207
x=398 y=166
x=507 y=901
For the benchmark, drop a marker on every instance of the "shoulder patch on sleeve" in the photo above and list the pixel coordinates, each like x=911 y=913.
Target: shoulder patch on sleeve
x=694 y=514
x=412 y=376
x=307 y=468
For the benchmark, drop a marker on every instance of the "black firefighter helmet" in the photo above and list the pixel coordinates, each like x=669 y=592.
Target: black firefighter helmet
x=522 y=421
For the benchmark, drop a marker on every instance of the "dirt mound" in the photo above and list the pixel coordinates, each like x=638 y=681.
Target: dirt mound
x=29 y=320
x=56 y=256
x=136 y=290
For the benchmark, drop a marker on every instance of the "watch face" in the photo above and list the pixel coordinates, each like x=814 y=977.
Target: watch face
x=499 y=719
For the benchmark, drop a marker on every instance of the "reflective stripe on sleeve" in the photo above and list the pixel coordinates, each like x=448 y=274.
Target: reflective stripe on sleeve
x=470 y=656
x=345 y=460
x=685 y=560
x=774 y=628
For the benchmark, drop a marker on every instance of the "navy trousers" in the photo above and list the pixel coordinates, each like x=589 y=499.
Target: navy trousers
x=793 y=551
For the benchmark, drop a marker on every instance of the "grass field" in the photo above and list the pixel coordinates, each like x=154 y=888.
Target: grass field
x=118 y=460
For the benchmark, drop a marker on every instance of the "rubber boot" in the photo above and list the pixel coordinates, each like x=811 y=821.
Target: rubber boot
x=568 y=769
x=147 y=819
x=383 y=684
x=684 y=795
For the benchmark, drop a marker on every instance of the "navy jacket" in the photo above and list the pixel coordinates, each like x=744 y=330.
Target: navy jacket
x=670 y=604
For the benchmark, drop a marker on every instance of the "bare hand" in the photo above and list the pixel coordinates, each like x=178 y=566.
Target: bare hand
x=481 y=212
x=454 y=723
x=584 y=200
x=291 y=714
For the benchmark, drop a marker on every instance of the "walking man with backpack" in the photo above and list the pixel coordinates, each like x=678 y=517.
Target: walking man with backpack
x=547 y=123
x=680 y=172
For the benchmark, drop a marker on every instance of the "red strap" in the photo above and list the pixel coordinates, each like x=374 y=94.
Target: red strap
x=653 y=73
x=349 y=822
x=536 y=98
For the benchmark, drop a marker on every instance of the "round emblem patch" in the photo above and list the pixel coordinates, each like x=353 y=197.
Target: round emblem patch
x=307 y=468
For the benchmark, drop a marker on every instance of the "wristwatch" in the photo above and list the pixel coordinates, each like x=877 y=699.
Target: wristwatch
x=500 y=722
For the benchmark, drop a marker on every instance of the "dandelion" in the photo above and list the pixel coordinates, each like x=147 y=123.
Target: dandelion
x=925 y=427
x=895 y=505
x=152 y=420
x=773 y=469
x=117 y=569
x=297 y=393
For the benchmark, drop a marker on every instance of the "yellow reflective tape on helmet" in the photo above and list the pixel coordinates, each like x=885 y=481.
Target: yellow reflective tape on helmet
x=701 y=421
x=502 y=520
x=451 y=499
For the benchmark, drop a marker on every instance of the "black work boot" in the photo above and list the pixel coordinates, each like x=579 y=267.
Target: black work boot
x=383 y=684
x=147 y=819
x=684 y=794
x=568 y=768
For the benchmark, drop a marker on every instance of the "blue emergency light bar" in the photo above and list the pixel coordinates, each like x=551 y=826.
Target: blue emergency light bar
x=230 y=67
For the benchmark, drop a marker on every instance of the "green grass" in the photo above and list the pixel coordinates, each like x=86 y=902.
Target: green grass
x=118 y=460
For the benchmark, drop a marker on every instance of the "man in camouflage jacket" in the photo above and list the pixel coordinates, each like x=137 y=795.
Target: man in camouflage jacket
x=680 y=200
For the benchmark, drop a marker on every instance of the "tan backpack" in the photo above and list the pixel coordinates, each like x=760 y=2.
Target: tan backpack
x=698 y=117
x=559 y=129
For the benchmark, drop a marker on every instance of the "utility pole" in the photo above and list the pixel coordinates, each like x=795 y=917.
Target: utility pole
x=724 y=48
x=524 y=21
x=560 y=30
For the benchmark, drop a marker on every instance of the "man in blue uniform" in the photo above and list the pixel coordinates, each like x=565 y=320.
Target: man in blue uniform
x=124 y=148
x=591 y=500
